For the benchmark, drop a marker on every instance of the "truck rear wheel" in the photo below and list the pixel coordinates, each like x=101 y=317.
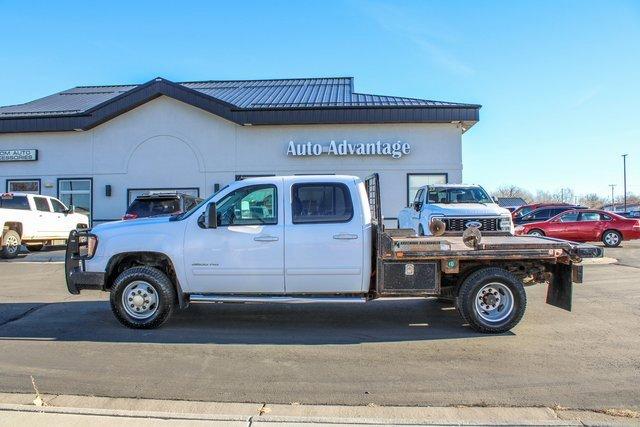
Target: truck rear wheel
x=492 y=300
x=10 y=245
x=142 y=298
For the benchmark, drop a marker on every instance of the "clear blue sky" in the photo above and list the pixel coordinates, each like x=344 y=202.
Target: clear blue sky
x=559 y=81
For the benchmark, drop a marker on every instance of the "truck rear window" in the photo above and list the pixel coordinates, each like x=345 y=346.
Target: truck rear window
x=14 y=202
x=152 y=207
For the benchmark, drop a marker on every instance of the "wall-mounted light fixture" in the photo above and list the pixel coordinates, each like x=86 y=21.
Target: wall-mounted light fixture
x=107 y=190
x=216 y=187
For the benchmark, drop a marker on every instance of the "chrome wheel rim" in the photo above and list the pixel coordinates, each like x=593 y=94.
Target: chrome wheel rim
x=494 y=302
x=535 y=233
x=140 y=299
x=611 y=239
x=12 y=244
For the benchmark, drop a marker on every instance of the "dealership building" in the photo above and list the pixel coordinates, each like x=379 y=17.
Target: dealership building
x=98 y=147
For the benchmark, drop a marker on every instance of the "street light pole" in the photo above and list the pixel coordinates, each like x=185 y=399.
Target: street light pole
x=613 y=203
x=624 y=167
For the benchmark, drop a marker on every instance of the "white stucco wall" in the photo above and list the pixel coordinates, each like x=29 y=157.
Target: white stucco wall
x=166 y=143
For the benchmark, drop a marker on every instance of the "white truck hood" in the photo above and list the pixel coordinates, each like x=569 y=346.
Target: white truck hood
x=130 y=224
x=467 y=209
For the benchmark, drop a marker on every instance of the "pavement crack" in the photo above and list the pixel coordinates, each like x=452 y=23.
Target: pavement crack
x=22 y=315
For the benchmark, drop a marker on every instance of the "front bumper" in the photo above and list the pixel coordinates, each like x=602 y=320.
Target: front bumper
x=74 y=266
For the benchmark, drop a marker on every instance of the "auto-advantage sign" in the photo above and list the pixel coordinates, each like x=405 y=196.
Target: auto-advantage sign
x=18 y=155
x=392 y=149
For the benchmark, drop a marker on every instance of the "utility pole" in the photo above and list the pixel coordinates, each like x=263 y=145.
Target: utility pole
x=624 y=168
x=613 y=203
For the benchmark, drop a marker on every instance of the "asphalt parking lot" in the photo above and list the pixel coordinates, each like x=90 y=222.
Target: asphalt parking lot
x=411 y=352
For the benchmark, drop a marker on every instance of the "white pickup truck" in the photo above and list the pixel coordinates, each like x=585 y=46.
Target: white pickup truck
x=459 y=206
x=300 y=239
x=35 y=220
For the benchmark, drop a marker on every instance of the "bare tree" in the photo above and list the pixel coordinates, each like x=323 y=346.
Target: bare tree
x=593 y=201
x=513 y=191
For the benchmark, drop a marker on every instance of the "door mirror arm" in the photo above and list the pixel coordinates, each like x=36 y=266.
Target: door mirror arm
x=70 y=210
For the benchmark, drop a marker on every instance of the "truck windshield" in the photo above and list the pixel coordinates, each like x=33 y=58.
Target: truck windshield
x=458 y=195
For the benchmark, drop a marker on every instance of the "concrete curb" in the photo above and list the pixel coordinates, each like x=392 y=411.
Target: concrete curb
x=280 y=419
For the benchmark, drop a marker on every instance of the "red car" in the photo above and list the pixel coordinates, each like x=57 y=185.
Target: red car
x=585 y=225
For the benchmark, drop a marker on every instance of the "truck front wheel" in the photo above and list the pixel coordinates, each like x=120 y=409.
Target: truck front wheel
x=142 y=298
x=492 y=300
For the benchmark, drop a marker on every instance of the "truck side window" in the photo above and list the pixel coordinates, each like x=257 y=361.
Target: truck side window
x=41 y=204
x=58 y=207
x=320 y=203
x=252 y=205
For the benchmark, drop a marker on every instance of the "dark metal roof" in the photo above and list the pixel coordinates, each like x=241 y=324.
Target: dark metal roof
x=284 y=101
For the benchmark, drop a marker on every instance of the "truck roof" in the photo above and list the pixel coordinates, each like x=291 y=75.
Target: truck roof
x=451 y=185
x=319 y=177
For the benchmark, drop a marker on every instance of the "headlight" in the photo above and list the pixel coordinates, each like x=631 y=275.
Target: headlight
x=519 y=229
x=87 y=245
x=505 y=224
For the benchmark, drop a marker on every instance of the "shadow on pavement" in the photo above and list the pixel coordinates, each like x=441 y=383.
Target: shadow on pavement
x=373 y=322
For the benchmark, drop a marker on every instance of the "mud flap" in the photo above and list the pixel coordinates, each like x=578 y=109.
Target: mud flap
x=560 y=289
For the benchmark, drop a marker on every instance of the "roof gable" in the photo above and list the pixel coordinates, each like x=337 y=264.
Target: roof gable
x=284 y=101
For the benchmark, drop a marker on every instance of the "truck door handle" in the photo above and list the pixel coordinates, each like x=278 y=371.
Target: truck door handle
x=345 y=236
x=266 y=239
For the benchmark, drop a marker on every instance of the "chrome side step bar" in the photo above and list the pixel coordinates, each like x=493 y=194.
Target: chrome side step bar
x=281 y=299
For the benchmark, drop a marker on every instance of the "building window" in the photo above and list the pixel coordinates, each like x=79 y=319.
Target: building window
x=31 y=186
x=132 y=193
x=320 y=203
x=417 y=180
x=77 y=192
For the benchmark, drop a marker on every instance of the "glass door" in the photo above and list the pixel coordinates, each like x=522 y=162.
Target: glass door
x=77 y=192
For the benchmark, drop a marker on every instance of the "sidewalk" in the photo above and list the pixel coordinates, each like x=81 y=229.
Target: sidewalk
x=19 y=409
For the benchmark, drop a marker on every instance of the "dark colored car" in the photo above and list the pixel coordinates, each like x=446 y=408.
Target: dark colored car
x=543 y=214
x=630 y=214
x=527 y=209
x=159 y=204
x=585 y=225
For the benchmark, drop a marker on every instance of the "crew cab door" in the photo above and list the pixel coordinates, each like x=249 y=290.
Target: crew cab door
x=245 y=253
x=46 y=219
x=63 y=224
x=324 y=238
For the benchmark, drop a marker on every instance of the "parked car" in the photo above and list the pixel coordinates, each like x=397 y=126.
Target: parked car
x=158 y=204
x=459 y=206
x=526 y=209
x=35 y=220
x=320 y=235
x=544 y=213
x=585 y=225
x=630 y=214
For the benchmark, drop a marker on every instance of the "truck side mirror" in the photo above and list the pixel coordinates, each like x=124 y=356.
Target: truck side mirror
x=211 y=216
x=71 y=210
x=417 y=206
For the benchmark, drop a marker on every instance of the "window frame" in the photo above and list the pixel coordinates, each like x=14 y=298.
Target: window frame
x=335 y=184
x=35 y=203
x=410 y=174
x=38 y=180
x=90 y=192
x=259 y=186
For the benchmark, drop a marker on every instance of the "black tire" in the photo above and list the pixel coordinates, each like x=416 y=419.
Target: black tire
x=536 y=230
x=611 y=238
x=11 y=242
x=160 y=283
x=471 y=289
x=35 y=247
